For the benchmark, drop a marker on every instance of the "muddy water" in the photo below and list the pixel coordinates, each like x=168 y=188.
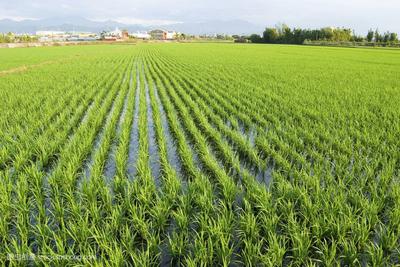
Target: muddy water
x=134 y=136
x=52 y=165
x=264 y=176
x=249 y=132
x=194 y=152
x=87 y=112
x=252 y=134
x=172 y=150
x=111 y=167
x=50 y=168
x=98 y=140
x=154 y=157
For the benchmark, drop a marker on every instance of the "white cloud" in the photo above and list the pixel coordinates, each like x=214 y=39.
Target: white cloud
x=17 y=18
x=358 y=14
x=65 y=6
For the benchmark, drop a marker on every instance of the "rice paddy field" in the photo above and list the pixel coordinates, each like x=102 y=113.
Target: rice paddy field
x=199 y=155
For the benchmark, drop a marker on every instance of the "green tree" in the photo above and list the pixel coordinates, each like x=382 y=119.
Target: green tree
x=270 y=35
x=182 y=36
x=287 y=36
x=377 y=36
x=370 y=35
x=393 y=37
x=386 y=37
x=281 y=28
x=255 y=38
x=327 y=33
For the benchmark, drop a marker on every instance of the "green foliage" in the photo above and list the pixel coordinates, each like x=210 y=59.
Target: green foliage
x=282 y=34
x=268 y=155
x=11 y=38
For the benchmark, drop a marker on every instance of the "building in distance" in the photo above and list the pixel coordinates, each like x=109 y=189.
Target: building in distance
x=159 y=34
x=60 y=36
x=141 y=35
x=116 y=35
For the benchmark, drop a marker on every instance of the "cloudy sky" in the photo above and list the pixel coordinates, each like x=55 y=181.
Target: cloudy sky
x=357 y=14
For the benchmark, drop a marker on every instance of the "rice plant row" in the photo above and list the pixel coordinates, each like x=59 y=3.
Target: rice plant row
x=201 y=155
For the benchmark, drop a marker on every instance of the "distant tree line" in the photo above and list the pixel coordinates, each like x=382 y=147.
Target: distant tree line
x=216 y=36
x=282 y=34
x=12 y=38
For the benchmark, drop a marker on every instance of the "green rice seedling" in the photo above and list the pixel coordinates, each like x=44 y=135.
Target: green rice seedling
x=204 y=249
x=222 y=146
x=177 y=244
x=123 y=145
x=327 y=252
x=228 y=187
x=246 y=155
x=58 y=126
x=376 y=255
x=350 y=253
x=276 y=250
x=183 y=147
x=221 y=233
x=249 y=234
x=237 y=138
x=259 y=119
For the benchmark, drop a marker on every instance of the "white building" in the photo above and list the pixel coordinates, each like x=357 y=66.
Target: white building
x=113 y=35
x=159 y=34
x=52 y=36
x=171 y=35
x=50 y=33
x=116 y=33
x=141 y=35
x=60 y=36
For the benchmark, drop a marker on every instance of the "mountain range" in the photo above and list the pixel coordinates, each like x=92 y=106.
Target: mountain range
x=82 y=24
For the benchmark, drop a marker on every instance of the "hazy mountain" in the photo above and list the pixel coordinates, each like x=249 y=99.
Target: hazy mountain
x=82 y=24
x=61 y=24
x=216 y=26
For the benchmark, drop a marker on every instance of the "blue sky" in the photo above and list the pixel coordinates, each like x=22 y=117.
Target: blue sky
x=357 y=14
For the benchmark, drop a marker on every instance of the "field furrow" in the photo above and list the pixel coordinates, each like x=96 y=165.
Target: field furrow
x=189 y=154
